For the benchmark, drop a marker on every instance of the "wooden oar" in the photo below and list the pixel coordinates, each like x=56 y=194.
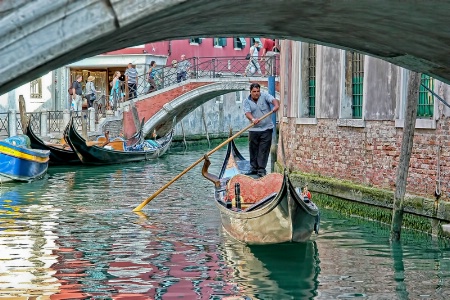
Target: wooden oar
x=145 y=202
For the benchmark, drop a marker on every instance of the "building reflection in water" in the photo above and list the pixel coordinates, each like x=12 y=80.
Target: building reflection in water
x=26 y=242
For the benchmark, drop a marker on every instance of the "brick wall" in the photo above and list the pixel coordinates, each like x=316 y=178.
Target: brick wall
x=368 y=155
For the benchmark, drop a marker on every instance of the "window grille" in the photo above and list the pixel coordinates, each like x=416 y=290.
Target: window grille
x=257 y=40
x=195 y=41
x=357 y=84
x=425 y=107
x=311 y=80
x=239 y=43
x=36 y=88
x=219 y=42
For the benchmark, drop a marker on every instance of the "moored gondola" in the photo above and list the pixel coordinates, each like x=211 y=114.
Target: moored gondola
x=118 y=150
x=60 y=154
x=267 y=210
x=19 y=162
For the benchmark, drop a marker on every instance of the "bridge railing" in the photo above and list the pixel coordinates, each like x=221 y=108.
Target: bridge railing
x=208 y=67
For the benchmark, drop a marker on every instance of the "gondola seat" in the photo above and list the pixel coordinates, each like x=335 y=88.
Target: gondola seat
x=254 y=190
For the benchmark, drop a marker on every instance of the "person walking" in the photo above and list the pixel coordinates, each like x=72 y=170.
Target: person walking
x=255 y=106
x=183 y=67
x=253 y=64
x=90 y=91
x=151 y=74
x=131 y=77
x=116 y=93
x=77 y=91
x=268 y=56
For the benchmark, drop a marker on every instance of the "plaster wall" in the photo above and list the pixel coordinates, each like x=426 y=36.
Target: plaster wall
x=10 y=100
x=366 y=151
x=381 y=81
x=329 y=89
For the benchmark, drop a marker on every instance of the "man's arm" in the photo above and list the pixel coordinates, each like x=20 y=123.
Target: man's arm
x=276 y=104
x=251 y=118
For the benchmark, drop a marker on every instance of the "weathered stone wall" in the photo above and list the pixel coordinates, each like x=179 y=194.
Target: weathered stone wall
x=368 y=155
x=41 y=35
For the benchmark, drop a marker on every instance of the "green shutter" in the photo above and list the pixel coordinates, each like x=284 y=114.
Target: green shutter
x=425 y=107
x=357 y=84
x=311 y=80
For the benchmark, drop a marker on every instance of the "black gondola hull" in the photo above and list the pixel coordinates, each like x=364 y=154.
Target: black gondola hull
x=94 y=155
x=58 y=156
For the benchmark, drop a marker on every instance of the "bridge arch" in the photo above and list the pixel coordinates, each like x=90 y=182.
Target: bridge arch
x=160 y=108
x=59 y=32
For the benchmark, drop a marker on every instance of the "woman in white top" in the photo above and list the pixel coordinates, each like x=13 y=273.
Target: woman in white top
x=253 y=64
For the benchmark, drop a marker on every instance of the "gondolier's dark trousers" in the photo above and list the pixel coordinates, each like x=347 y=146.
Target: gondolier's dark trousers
x=259 y=148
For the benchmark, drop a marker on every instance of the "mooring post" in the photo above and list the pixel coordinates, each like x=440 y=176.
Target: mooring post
x=405 y=154
x=273 y=148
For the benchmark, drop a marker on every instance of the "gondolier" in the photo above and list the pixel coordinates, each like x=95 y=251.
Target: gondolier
x=260 y=136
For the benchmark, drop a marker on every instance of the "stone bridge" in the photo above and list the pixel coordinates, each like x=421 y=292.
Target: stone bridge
x=159 y=108
x=42 y=35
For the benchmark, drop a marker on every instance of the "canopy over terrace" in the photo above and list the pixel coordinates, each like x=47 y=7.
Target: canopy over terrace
x=41 y=35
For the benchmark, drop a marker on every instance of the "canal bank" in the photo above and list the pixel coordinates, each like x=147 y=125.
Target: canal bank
x=427 y=215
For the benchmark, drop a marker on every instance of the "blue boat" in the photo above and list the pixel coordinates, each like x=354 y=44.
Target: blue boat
x=18 y=162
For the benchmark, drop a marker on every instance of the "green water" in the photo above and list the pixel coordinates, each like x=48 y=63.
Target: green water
x=73 y=235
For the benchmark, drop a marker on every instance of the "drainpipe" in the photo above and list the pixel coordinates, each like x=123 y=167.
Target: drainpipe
x=274 y=147
x=169 y=51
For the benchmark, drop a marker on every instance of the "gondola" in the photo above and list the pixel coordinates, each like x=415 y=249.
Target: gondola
x=19 y=162
x=105 y=152
x=60 y=154
x=269 y=210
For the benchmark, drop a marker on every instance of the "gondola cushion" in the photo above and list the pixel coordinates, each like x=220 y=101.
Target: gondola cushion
x=254 y=190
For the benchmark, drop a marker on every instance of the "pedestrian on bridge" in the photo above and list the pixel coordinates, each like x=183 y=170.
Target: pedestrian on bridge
x=131 y=76
x=183 y=67
x=151 y=74
x=253 y=64
x=268 y=56
x=255 y=106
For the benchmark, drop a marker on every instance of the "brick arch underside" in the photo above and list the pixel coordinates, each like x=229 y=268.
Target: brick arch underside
x=42 y=35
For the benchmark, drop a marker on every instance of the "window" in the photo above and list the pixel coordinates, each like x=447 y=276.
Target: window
x=311 y=80
x=36 y=88
x=219 y=42
x=195 y=41
x=239 y=43
x=425 y=107
x=357 y=63
x=239 y=96
x=256 y=40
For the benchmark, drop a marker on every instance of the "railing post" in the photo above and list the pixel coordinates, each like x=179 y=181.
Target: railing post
x=66 y=117
x=196 y=67
x=44 y=122
x=91 y=114
x=163 y=78
x=213 y=61
x=12 y=118
x=84 y=129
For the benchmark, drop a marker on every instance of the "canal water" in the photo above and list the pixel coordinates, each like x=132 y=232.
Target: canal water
x=73 y=235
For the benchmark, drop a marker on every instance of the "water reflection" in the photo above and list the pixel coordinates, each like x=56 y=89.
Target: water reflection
x=283 y=271
x=73 y=235
x=25 y=241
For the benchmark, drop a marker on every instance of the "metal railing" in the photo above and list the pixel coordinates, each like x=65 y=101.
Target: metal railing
x=205 y=67
x=55 y=122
